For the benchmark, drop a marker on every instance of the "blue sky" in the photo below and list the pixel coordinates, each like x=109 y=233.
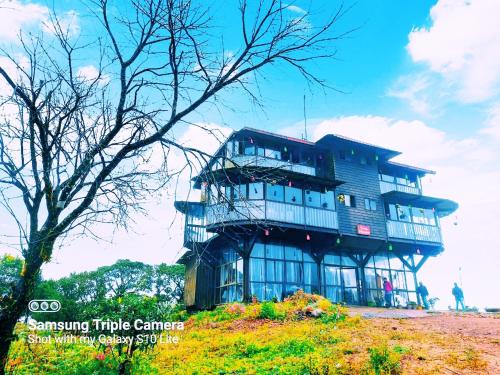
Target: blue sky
x=422 y=77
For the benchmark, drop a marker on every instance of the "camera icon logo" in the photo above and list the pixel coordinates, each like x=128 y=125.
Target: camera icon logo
x=44 y=305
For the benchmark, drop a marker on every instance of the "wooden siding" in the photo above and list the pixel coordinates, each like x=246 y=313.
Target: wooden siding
x=198 y=285
x=362 y=181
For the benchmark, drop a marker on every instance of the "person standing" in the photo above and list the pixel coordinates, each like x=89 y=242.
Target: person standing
x=388 y=292
x=459 y=296
x=424 y=293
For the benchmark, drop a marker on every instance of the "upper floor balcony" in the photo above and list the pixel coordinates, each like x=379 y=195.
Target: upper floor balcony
x=266 y=211
x=243 y=161
x=404 y=185
x=413 y=231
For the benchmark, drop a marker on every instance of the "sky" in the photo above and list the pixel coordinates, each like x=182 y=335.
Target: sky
x=421 y=77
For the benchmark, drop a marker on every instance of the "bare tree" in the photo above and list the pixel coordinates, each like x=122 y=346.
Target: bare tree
x=78 y=148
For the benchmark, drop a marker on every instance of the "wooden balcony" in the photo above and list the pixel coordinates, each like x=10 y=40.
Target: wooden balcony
x=386 y=187
x=261 y=211
x=413 y=231
x=263 y=162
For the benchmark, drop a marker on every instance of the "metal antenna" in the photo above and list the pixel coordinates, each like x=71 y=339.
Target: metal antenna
x=305 y=118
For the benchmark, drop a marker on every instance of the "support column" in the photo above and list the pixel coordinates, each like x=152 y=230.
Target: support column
x=247 y=297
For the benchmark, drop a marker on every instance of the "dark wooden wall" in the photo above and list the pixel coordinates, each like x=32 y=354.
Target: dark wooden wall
x=362 y=181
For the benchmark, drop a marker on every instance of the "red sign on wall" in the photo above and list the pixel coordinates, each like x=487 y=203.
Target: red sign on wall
x=365 y=230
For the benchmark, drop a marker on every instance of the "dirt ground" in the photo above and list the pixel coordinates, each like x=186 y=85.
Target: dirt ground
x=449 y=343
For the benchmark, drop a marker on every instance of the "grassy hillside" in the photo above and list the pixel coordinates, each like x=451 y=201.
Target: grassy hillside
x=304 y=335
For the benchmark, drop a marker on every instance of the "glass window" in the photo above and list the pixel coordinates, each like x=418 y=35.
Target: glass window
x=249 y=149
x=261 y=151
x=256 y=190
x=387 y=178
x=347 y=261
x=257 y=289
x=258 y=250
x=312 y=198
x=403 y=213
x=293 y=253
x=328 y=200
x=393 y=213
x=293 y=195
x=239 y=192
x=274 y=192
x=396 y=263
x=307 y=257
x=332 y=275
x=370 y=204
x=274 y=251
x=274 y=291
x=273 y=154
x=257 y=269
x=308 y=159
x=381 y=261
x=331 y=259
x=294 y=272
x=311 y=274
x=423 y=216
x=274 y=271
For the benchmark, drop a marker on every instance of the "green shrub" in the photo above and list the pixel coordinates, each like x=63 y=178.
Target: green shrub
x=268 y=311
x=384 y=361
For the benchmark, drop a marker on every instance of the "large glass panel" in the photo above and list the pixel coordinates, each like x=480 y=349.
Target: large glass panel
x=257 y=269
x=256 y=190
x=403 y=213
x=239 y=271
x=332 y=275
x=294 y=272
x=331 y=259
x=396 y=263
x=249 y=149
x=261 y=151
x=293 y=253
x=381 y=261
x=312 y=198
x=258 y=250
x=311 y=274
x=351 y=296
x=349 y=277
x=274 y=192
x=257 y=289
x=307 y=257
x=274 y=291
x=423 y=216
x=398 y=280
x=387 y=178
x=274 y=271
x=370 y=278
x=328 y=200
x=410 y=281
x=273 y=154
x=393 y=212
x=293 y=195
x=274 y=251
x=334 y=293
x=240 y=192
x=348 y=261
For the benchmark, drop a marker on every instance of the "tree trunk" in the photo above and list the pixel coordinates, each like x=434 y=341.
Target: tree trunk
x=15 y=305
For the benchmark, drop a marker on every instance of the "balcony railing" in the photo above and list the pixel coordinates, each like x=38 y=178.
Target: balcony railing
x=262 y=211
x=261 y=161
x=413 y=231
x=196 y=233
x=386 y=187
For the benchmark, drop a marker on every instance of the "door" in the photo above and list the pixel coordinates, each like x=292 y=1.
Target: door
x=350 y=285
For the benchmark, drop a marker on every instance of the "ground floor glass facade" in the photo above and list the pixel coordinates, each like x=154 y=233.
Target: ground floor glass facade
x=277 y=270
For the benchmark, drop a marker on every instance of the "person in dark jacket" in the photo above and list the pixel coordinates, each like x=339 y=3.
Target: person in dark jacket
x=388 y=292
x=424 y=293
x=459 y=296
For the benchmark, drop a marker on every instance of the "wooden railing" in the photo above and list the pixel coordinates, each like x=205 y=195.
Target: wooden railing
x=261 y=161
x=413 y=231
x=386 y=187
x=262 y=210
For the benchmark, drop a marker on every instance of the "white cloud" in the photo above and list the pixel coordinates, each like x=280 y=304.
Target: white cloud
x=462 y=44
x=296 y=9
x=492 y=127
x=91 y=73
x=17 y=15
x=413 y=89
x=68 y=24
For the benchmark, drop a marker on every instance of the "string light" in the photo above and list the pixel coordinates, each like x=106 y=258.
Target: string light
x=266 y=232
x=308 y=237
x=338 y=241
x=418 y=251
x=290 y=183
x=389 y=247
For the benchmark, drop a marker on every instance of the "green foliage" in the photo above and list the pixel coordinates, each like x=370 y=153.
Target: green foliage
x=268 y=311
x=10 y=271
x=384 y=361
